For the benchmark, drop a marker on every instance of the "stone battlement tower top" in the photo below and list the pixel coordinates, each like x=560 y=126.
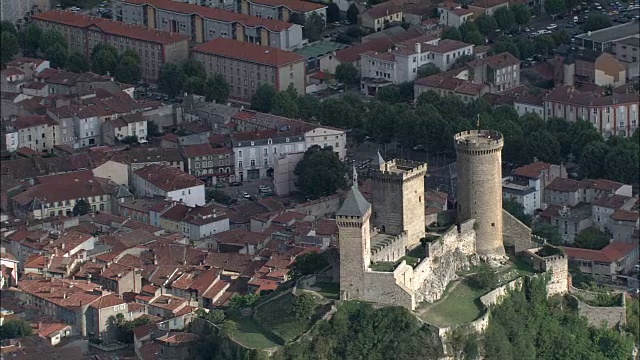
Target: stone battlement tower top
x=399 y=170
x=478 y=140
x=479 y=188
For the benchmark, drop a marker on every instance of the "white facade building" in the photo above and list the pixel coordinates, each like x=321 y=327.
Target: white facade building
x=327 y=136
x=168 y=182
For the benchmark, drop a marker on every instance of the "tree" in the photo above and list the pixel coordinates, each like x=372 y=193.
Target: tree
x=308 y=106
x=554 y=7
x=81 y=208
x=284 y=105
x=104 y=59
x=486 y=24
x=352 y=13
x=543 y=145
x=77 y=63
x=452 y=33
x=597 y=21
x=9 y=46
x=313 y=26
x=262 y=100
x=561 y=37
x=152 y=129
x=622 y=163
x=333 y=13
x=592 y=161
x=320 y=172
x=549 y=232
x=171 y=79
x=428 y=70
x=347 y=73
x=517 y=210
x=128 y=70
x=6 y=25
x=521 y=14
x=15 y=328
x=194 y=68
x=195 y=85
x=218 y=196
x=124 y=329
x=303 y=305
x=57 y=55
x=309 y=263
x=217 y=89
x=591 y=238
x=242 y=301
x=30 y=39
x=50 y=38
x=485 y=278
x=474 y=37
x=504 y=18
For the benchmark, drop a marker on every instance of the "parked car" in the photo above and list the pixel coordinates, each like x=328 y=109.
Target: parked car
x=219 y=185
x=552 y=26
x=245 y=195
x=264 y=189
x=235 y=183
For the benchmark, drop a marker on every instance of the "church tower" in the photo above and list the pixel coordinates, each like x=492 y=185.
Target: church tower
x=355 y=242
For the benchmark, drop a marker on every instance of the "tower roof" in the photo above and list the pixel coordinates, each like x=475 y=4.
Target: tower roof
x=354 y=205
x=378 y=159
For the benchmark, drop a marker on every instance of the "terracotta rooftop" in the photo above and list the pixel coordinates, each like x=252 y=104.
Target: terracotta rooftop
x=240 y=237
x=33 y=120
x=603 y=184
x=497 y=61
x=214 y=14
x=110 y=27
x=610 y=253
x=569 y=95
x=533 y=170
x=293 y=5
x=167 y=178
x=564 y=185
x=249 y=52
x=62 y=292
x=62 y=187
x=352 y=53
x=611 y=201
x=383 y=9
x=198 y=150
x=624 y=215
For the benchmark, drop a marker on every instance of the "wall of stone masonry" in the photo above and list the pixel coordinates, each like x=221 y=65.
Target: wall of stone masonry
x=392 y=251
x=515 y=233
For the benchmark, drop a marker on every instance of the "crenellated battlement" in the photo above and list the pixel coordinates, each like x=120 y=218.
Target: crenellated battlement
x=399 y=170
x=478 y=142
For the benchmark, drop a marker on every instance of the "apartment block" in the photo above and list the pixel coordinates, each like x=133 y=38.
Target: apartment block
x=381 y=15
x=614 y=114
x=168 y=182
x=281 y=9
x=37 y=132
x=453 y=15
x=84 y=32
x=245 y=66
x=500 y=71
x=208 y=163
x=201 y=23
x=124 y=127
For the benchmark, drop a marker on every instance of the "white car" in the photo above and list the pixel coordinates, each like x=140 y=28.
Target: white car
x=552 y=26
x=264 y=189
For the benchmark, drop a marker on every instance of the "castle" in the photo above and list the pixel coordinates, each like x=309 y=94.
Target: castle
x=394 y=224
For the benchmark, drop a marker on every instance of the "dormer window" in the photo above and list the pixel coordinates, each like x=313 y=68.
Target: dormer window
x=287 y=139
x=269 y=142
x=252 y=143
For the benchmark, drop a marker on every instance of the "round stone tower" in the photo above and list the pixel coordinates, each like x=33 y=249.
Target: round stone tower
x=479 y=189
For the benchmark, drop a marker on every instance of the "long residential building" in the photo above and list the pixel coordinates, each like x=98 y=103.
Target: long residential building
x=615 y=114
x=84 y=32
x=246 y=66
x=203 y=23
x=282 y=9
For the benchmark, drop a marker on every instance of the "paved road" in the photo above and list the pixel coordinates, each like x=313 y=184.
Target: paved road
x=250 y=187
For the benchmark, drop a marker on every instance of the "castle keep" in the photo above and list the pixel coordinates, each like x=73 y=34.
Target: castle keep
x=479 y=189
x=398 y=199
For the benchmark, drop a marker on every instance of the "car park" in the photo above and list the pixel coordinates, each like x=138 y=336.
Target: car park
x=552 y=26
x=264 y=189
x=235 y=183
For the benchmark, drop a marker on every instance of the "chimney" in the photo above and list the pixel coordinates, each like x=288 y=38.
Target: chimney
x=64 y=295
x=418 y=48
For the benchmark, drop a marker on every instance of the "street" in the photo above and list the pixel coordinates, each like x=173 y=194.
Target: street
x=251 y=187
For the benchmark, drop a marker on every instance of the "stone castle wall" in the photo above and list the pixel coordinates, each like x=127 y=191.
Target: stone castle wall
x=388 y=288
x=446 y=255
x=516 y=234
x=610 y=316
x=391 y=251
x=556 y=266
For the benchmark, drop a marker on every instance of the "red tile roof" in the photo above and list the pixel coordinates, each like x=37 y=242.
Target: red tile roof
x=624 y=215
x=569 y=95
x=249 y=52
x=564 y=185
x=61 y=187
x=167 y=178
x=240 y=237
x=610 y=253
x=384 y=9
x=34 y=120
x=198 y=150
x=603 y=184
x=533 y=170
x=611 y=201
x=294 y=5
x=110 y=27
x=352 y=53
x=214 y=14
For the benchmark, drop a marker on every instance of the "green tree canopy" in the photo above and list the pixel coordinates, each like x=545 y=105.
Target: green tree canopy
x=104 y=59
x=77 y=62
x=29 y=39
x=81 y=208
x=50 y=38
x=195 y=85
x=217 y=89
x=308 y=106
x=352 y=13
x=6 y=25
x=194 y=68
x=452 y=33
x=9 y=46
x=262 y=100
x=57 y=55
x=284 y=104
x=333 y=13
x=554 y=7
x=313 y=26
x=547 y=231
x=309 y=263
x=171 y=79
x=505 y=18
x=486 y=24
x=596 y=21
x=592 y=161
x=517 y=210
x=428 y=70
x=521 y=14
x=347 y=73
x=128 y=70
x=15 y=328
x=591 y=238
x=302 y=306
x=623 y=162
x=320 y=172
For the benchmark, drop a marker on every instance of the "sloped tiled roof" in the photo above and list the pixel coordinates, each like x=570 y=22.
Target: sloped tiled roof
x=354 y=205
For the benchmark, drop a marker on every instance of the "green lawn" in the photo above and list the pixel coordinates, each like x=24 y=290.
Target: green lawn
x=383 y=266
x=275 y=315
x=330 y=290
x=251 y=335
x=460 y=305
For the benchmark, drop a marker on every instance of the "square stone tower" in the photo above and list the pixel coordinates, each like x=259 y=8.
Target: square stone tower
x=398 y=199
x=355 y=243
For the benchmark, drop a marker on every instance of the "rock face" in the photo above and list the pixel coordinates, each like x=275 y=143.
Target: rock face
x=441 y=271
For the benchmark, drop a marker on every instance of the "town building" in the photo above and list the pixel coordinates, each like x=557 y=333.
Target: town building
x=451 y=83
x=562 y=191
x=16 y=11
x=83 y=33
x=58 y=194
x=352 y=54
x=527 y=184
x=245 y=66
x=587 y=66
x=194 y=223
x=500 y=71
x=617 y=258
x=380 y=16
x=126 y=126
x=487 y=7
x=282 y=9
x=208 y=163
x=570 y=220
x=167 y=182
x=255 y=152
x=614 y=114
x=202 y=24
x=401 y=65
x=603 y=40
x=623 y=225
x=627 y=51
x=284 y=179
x=37 y=132
x=453 y=14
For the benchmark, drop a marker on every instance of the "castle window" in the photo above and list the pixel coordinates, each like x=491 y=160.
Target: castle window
x=493 y=224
